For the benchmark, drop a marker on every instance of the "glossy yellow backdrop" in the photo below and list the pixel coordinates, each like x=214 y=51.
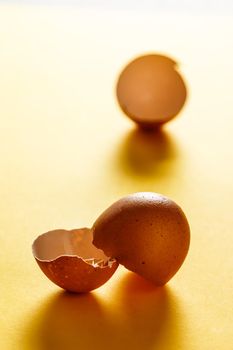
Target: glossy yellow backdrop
x=67 y=152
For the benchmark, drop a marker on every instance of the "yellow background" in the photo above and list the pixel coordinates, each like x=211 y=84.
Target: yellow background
x=67 y=152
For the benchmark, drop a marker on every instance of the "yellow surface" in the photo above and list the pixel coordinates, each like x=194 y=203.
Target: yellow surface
x=67 y=152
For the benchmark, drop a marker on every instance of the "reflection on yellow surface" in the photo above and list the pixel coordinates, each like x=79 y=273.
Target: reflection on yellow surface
x=147 y=154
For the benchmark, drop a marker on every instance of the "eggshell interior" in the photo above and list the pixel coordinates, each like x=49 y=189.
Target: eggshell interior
x=78 y=242
x=70 y=260
x=150 y=90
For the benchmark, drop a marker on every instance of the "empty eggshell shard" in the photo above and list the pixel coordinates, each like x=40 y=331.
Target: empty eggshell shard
x=147 y=233
x=70 y=260
x=150 y=90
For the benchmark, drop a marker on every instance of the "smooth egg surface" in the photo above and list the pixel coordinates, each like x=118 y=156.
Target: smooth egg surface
x=150 y=90
x=146 y=232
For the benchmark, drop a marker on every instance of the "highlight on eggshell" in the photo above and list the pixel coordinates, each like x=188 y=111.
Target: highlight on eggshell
x=150 y=90
x=146 y=232
x=70 y=260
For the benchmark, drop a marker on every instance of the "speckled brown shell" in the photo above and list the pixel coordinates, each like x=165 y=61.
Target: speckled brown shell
x=147 y=233
x=150 y=90
x=70 y=260
x=73 y=274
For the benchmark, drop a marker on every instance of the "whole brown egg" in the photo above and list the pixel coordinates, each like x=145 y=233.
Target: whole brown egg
x=150 y=90
x=146 y=232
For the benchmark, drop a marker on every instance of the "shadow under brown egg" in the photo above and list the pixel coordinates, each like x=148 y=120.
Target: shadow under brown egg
x=139 y=316
x=152 y=314
x=147 y=153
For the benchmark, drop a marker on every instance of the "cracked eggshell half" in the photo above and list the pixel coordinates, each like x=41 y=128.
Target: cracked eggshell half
x=150 y=90
x=146 y=232
x=70 y=260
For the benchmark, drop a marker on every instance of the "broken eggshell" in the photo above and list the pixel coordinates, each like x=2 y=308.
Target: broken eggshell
x=70 y=260
x=150 y=90
x=146 y=232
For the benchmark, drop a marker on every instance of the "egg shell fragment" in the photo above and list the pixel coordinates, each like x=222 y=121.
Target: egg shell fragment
x=150 y=90
x=70 y=260
x=147 y=233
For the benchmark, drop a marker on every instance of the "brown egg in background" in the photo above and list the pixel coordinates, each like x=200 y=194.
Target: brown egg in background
x=70 y=260
x=146 y=232
x=150 y=90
